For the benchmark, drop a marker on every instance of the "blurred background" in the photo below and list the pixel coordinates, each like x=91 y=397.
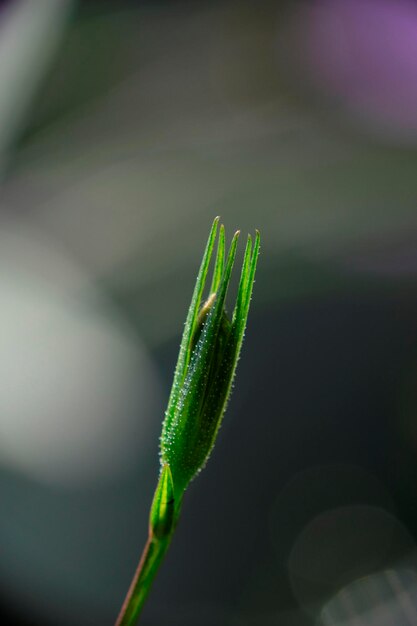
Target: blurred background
x=125 y=127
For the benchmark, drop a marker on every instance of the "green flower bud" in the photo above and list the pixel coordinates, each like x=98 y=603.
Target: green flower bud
x=207 y=362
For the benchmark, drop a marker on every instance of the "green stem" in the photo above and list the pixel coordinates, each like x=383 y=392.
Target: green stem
x=149 y=563
x=163 y=519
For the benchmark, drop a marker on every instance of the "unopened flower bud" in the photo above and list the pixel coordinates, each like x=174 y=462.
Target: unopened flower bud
x=206 y=364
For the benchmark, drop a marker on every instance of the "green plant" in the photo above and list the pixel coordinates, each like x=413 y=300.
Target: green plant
x=203 y=379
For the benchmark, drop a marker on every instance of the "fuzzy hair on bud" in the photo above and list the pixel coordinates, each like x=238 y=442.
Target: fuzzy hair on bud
x=207 y=360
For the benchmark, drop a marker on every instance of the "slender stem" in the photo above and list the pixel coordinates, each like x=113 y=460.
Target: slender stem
x=153 y=553
x=163 y=519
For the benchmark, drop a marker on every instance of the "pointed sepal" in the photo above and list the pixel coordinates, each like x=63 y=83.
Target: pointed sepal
x=162 y=515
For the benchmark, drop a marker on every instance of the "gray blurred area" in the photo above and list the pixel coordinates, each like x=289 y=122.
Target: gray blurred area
x=125 y=128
